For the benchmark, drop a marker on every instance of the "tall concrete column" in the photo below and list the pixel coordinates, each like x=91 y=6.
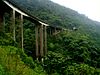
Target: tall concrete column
x=1 y=23
x=45 y=40
x=37 y=41
x=41 y=40
x=13 y=22
x=22 y=38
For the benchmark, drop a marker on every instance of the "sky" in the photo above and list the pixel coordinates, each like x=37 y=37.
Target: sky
x=90 y=8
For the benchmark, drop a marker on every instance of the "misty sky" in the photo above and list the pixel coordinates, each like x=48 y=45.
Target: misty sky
x=90 y=8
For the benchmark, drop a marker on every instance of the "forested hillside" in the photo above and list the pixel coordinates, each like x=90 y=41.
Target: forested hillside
x=71 y=52
x=57 y=15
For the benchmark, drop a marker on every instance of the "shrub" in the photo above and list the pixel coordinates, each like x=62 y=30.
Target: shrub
x=1 y=70
x=81 y=69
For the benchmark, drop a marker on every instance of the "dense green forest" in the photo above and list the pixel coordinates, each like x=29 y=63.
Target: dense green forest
x=71 y=52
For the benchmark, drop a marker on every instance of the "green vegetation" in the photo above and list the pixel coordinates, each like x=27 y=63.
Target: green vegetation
x=13 y=61
x=70 y=55
x=71 y=52
x=67 y=55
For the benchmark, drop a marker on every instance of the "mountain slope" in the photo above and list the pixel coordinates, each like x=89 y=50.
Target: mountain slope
x=14 y=61
x=71 y=52
x=57 y=15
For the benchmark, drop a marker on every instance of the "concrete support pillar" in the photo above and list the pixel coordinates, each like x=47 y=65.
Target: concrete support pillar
x=37 y=41
x=13 y=22
x=45 y=40
x=55 y=31
x=41 y=41
x=1 y=23
x=22 y=39
x=50 y=31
